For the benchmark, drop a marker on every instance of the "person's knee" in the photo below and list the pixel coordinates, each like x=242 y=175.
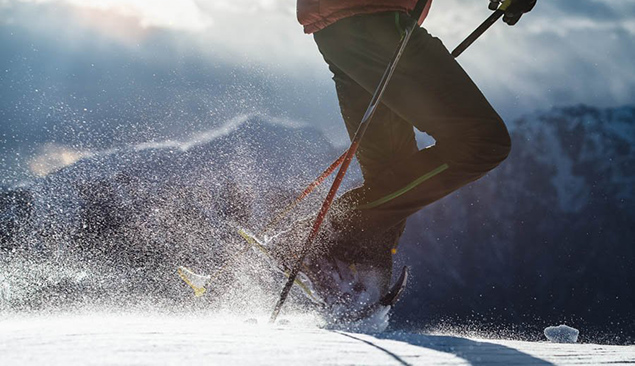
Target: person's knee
x=484 y=148
x=499 y=143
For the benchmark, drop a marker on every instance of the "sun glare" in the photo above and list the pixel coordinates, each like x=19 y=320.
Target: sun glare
x=182 y=15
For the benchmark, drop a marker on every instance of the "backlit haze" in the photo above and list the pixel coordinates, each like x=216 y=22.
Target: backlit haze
x=148 y=60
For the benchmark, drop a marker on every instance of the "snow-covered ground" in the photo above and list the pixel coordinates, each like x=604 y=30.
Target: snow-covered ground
x=152 y=339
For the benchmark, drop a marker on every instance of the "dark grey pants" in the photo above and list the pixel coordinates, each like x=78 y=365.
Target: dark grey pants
x=429 y=91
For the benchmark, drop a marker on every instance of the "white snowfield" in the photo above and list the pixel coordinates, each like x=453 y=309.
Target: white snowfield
x=107 y=339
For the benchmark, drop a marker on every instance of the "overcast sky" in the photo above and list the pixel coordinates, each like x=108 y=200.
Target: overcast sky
x=565 y=52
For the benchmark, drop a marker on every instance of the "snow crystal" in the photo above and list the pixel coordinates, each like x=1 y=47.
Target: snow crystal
x=562 y=334
x=5 y=292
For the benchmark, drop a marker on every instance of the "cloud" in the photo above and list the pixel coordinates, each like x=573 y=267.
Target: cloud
x=181 y=15
x=249 y=32
x=566 y=19
x=564 y=52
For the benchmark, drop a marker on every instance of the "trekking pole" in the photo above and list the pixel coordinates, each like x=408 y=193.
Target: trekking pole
x=481 y=29
x=328 y=171
x=370 y=112
x=307 y=191
x=500 y=11
x=318 y=181
x=379 y=92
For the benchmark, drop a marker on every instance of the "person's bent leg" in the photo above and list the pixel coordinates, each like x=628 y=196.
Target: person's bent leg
x=432 y=92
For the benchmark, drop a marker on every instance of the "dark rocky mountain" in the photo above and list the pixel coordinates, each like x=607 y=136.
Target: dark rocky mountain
x=547 y=237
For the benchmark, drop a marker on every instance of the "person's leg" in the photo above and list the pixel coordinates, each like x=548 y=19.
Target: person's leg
x=432 y=92
x=388 y=141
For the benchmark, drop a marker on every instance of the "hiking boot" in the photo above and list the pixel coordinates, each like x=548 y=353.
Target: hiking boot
x=340 y=282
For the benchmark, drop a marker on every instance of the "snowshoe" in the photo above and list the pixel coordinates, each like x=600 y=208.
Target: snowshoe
x=346 y=294
x=302 y=281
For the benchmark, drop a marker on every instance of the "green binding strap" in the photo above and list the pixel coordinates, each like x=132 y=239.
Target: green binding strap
x=405 y=189
x=400 y=30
